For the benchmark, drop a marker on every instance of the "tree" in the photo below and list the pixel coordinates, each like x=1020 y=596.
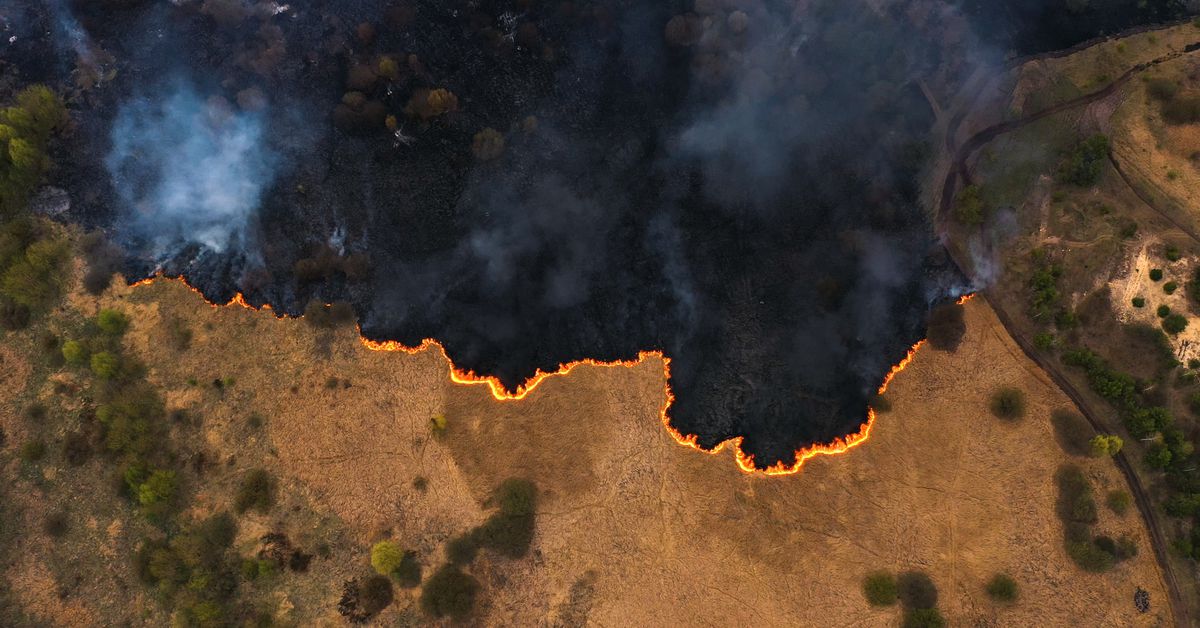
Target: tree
x=1106 y=445
x=1158 y=456
x=257 y=492
x=924 y=618
x=449 y=593
x=880 y=588
x=35 y=279
x=1174 y=324
x=386 y=556
x=1008 y=403
x=1002 y=588
x=1119 y=501
x=74 y=353
x=112 y=322
x=157 y=493
x=1084 y=165
x=970 y=210
x=105 y=365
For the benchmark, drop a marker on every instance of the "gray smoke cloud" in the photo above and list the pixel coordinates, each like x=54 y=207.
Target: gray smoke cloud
x=189 y=170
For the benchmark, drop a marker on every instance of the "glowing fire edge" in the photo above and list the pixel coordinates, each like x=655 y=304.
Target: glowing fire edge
x=745 y=462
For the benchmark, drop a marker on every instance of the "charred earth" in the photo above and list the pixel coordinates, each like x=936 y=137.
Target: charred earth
x=533 y=183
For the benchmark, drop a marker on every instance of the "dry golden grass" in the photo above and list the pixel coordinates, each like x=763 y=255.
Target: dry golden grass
x=634 y=529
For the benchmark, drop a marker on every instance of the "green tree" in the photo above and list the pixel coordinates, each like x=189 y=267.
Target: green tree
x=1106 y=445
x=1084 y=165
x=386 y=556
x=1002 y=588
x=105 y=365
x=880 y=588
x=35 y=279
x=112 y=322
x=924 y=618
x=1174 y=324
x=1008 y=403
x=74 y=353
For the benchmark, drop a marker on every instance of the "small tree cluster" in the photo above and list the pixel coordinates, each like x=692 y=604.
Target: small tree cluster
x=1105 y=445
x=1085 y=163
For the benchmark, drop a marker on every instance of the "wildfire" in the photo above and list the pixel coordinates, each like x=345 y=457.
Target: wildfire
x=745 y=462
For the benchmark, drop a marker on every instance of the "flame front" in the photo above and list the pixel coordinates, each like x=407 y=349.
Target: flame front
x=745 y=461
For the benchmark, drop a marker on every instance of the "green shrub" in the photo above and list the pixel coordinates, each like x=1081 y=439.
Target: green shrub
x=1008 y=403
x=1172 y=253
x=257 y=492
x=33 y=451
x=14 y=316
x=449 y=593
x=112 y=322
x=1073 y=432
x=1139 y=302
x=386 y=557
x=1163 y=311
x=1090 y=557
x=880 y=588
x=105 y=365
x=1156 y=274
x=1118 y=501
x=1158 y=456
x=916 y=590
x=1002 y=588
x=1182 y=110
x=1162 y=89
x=1105 y=445
x=1174 y=324
x=1084 y=165
x=969 y=210
x=74 y=353
x=1075 y=501
x=1170 y=287
x=924 y=618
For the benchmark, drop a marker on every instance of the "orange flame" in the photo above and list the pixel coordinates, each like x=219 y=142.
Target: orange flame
x=745 y=461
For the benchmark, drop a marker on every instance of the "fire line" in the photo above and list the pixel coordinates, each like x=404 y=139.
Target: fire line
x=745 y=462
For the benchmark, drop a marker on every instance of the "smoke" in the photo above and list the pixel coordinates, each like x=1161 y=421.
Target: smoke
x=188 y=170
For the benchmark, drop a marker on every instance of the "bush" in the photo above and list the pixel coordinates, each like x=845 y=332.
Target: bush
x=1075 y=502
x=1073 y=432
x=449 y=593
x=1158 y=456
x=1163 y=311
x=946 y=327
x=157 y=493
x=1170 y=287
x=105 y=365
x=1182 y=110
x=916 y=590
x=1162 y=89
x=1172 y=253
x=1008 y=403
x=257 y=492
x=1002 y=588
x=386 y=556
x=1090 y=557
x=970 y=210
x=35 y=279
x=1118 y=501
x=13 y=315
x=112 y=322
x=33 y=451
x=1139 y=302
x=1084 y=165
x=1174 y=324
x=1105 y=445
x=74 y=353
x=924 y=618
x=880 y=588
x=1156 y=274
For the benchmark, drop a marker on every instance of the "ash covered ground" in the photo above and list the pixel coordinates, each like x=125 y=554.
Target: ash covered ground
x=534 y=182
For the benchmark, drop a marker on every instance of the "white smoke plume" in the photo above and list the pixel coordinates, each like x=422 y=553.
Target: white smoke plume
x=189 y=170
